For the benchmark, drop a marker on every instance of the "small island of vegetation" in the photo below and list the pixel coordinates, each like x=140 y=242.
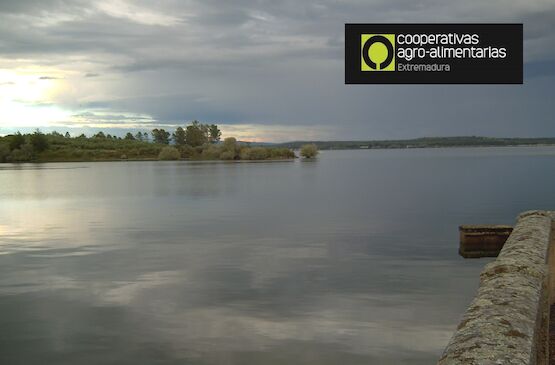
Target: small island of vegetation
x=196 y=141
x=309 y=150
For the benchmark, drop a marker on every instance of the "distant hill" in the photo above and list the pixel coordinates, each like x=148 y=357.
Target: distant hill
x=425 y=142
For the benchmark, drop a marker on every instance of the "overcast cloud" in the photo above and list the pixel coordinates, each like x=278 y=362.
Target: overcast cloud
x=265 y=70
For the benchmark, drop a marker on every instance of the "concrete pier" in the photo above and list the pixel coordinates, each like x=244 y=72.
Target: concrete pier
x=482 y=240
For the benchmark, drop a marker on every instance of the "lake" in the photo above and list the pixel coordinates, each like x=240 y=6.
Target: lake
x=351 y=258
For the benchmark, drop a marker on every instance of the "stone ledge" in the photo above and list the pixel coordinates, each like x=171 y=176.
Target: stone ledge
x=504 y=322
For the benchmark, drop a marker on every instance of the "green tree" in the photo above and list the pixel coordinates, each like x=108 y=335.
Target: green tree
x=139 y=136
x=309 y=150
x=195 y=134
x=214 y=133
x=205 y=130
x=160 y=136
x=100 y=135
x=39 y=141
x=67 y=135
x=129 y=137
x=179 y=136
x=16 y=141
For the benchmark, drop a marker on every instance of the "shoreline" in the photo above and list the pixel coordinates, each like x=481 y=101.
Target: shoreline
x=278 y=160
x=151 y=160
x=432 y=147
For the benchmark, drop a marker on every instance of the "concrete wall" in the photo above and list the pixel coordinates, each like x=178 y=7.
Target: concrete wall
x=507 y=321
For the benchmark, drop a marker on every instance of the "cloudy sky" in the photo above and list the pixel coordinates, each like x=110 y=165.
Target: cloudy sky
x=267 y=70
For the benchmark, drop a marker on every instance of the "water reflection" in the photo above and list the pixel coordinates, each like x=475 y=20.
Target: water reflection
x=348 y=259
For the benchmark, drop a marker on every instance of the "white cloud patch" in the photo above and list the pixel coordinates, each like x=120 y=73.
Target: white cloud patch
x=142 y=15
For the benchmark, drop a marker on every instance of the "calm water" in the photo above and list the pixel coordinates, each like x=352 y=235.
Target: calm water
x=351 y=259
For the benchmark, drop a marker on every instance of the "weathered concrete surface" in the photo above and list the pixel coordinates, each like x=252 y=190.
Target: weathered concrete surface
x=506 y=323
x=551 y=266
x=482 y=240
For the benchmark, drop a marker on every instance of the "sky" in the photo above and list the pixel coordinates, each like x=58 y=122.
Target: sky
x=266 y=70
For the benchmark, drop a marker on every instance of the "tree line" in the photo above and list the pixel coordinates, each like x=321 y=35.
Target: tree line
x=20 y=147
x=195 y=134
x=195 y=141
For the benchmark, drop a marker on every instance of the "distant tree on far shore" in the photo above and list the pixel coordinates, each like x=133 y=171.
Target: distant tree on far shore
x=196 y=134
x=214 y=133
x=38 y=141
x=309 y=150
x=129 y=136
x=160 y=136
x=179 y=136
x=16 y=141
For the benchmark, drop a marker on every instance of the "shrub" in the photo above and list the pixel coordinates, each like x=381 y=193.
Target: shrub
x=231 y=146
x=227 y=155
x=211 y=152
x=309 y=150
x=258 y=153
x=169 y=153
x=16 y=141
x=281 y=153
x=76 y=153
x=148 y=151
x=133 y=152
x=39 y=141
x=230 y=142
x=198 y=150
x=245 y=153
x=4 y=152
x=23 y=154
x=187 y=151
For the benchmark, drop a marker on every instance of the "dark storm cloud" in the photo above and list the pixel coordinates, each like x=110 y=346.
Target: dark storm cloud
x=538 y=69
x=275 y=62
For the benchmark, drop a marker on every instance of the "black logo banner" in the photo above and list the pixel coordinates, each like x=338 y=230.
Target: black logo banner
x=433 y=53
